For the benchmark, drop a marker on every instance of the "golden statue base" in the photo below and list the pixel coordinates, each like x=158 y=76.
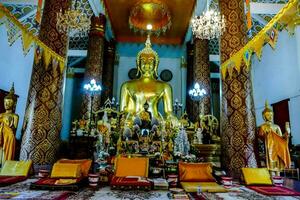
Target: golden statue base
x=209 y=152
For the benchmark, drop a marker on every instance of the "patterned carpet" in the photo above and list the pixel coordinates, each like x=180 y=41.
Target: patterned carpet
x=244 y=193
x=23 y=192
x=107 y=194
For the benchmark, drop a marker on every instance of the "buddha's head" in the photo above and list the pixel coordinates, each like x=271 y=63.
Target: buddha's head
x=267 y=113
x=10 y=99
x=146 y=106
x=147 y=61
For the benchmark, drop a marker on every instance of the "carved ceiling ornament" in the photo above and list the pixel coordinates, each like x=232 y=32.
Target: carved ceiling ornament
x=150 y=12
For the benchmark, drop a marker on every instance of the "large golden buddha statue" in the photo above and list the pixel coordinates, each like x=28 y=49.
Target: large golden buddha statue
x=8 y=126
x=276 y=144
x=135 y=93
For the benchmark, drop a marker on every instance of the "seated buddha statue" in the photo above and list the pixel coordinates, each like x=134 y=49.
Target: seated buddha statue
x=8 y=126
x=276 y=144
x=135 y=93
x=145 y=116
x=184 y=120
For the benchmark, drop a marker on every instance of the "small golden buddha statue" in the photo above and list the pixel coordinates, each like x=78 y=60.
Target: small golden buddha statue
x=168 y=148
x=134 y=93
x=145 y=114
x=82 y=123
x=184 y=120
x=276 y=144
x=145 y=117
x=122 y=120
x=8 y=126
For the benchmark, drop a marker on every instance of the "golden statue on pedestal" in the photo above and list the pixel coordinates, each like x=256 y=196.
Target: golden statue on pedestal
x=276 y=144
x=135 y=93
x=8 y=126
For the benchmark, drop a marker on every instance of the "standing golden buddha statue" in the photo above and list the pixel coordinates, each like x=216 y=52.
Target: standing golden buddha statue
x=276 y=144
x=8 y=126
x=135 y=93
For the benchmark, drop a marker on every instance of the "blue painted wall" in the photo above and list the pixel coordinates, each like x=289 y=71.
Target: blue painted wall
x=164 y=51
x=277 y=77
x=15 y=67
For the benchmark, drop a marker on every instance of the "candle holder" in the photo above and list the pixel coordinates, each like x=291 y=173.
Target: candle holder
x=92 y=88
x=177 y=106
x=196 y=94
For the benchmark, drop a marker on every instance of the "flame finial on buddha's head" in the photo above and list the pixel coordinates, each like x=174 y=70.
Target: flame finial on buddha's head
x=267 y=108
x=11 y=94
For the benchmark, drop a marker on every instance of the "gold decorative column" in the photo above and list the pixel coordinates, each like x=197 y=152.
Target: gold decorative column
x=190 y=82
x=201 y=72
x=237 y=115
x=94 y=63
x=42 y=122
x=108 y=70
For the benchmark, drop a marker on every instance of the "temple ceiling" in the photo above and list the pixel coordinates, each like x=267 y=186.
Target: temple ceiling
x=118 y=12
x=180 y=14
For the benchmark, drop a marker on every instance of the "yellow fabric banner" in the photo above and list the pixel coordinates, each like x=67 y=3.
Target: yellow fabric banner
x=15 y=29
x=273 y=36
x=286 y=16
x=258 y=47
x=27 y=41
x=247 y=57
x=47 y=58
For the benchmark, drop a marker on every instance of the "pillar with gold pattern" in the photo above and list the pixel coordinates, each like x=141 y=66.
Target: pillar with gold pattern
x=94 y=63
x=238 y=117
x=43 y=115
x=202 y=74
x=189 y=82
x=108 y=70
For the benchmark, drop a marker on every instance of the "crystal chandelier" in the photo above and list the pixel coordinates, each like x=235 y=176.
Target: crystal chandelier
x=73 y=21
x=210 y=25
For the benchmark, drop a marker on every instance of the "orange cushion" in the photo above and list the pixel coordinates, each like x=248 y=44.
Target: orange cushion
x=195 y=172
x=84 y=163
x=257 y=176
x=66 y=170
x=131 y=167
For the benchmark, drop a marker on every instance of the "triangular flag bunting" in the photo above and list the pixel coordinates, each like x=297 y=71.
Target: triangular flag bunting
x=230 y=70
x=61 y=66
x=38 y=55
x=291 y=26
x=247 y=57
x=237 y=62
x=15 y=30
x=257 y=48
x=27 y=41
x=286 y=17
x=290 y=12
x=273 y=36
x=47 y=58
x=223 y=71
